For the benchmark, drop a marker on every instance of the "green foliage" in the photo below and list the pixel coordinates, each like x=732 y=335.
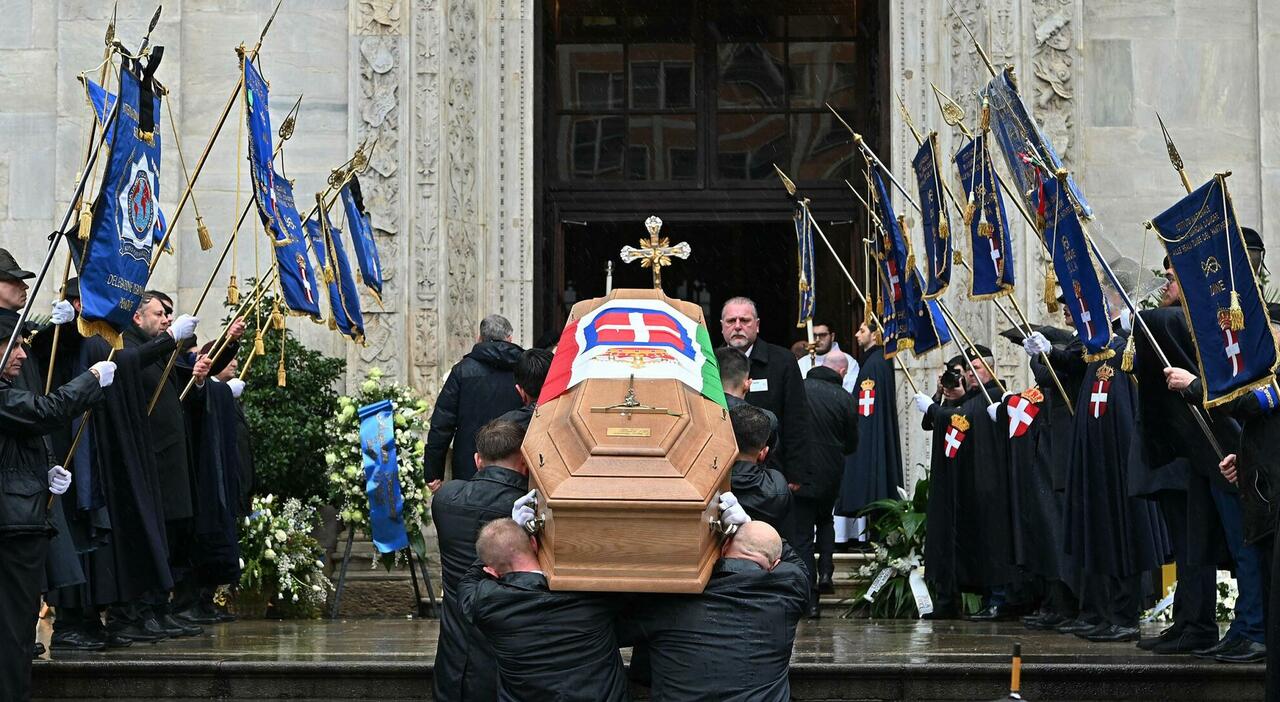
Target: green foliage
x=288 y=424
x=900 y=525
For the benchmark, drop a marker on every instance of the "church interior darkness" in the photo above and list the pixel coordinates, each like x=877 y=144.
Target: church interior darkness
x=680 y=109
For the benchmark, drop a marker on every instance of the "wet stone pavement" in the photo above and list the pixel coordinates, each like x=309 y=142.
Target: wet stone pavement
x=834 y=659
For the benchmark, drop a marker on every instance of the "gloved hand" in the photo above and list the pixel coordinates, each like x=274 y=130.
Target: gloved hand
x=522 y=509
x=923 y=402
x=1126 y=319
x=992 y=409
x=184 y=327
x=59 y=480
x=1036 y=344
x=106 y=372
x=237 y=387
x=732 y=513
x=63 y=312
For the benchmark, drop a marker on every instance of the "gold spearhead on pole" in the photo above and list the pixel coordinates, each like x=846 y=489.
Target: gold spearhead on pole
x=906 y=116
x=267 y=26
x=786 y=182
x=952 y=112
x=1174 y=157
x=111 y=28
x=857 y=138
x=290 y=120
x=981 y=52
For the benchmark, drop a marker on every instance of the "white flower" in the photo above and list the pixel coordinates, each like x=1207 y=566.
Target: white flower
x=316 y=588
x=269 y=554
x=281 y=536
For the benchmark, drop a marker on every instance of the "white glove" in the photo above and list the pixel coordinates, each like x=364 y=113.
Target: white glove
x=63 y=312
x=59 y=480
x=236 y=385
x=1126 y=319
x=1036 y=344
x=106 y=372
x=923 y=402
x=732 y=513
x=992 y=409
x=522 y=509
x=183 y=327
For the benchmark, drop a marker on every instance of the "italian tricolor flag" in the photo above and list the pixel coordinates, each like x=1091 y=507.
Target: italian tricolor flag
x=646 y=339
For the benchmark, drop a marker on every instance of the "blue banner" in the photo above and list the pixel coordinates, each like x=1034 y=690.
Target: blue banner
x=892 y=256
x=934 y=220
x=344 y=298
x=382 y=476
x=992 y=249
x=115 y=262
x=1234 y=346
x=362 y=244
x=804 y=260
x=1018 y=135
x=102 y=102
x=273 y=194
x=930 y=327
x=1076 y=274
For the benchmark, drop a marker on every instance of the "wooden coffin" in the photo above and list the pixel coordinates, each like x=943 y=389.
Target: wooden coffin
x=628 y=498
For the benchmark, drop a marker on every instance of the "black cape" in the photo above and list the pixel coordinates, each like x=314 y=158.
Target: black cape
x=874 y=470
x=1108 y=532
x=216 y=481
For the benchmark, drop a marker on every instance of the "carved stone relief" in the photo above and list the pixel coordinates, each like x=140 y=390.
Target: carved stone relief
x=1052 y=91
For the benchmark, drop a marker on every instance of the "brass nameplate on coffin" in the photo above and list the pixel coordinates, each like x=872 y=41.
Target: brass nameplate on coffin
x=628 y=431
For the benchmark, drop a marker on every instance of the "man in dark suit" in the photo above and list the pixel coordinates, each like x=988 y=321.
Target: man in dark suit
x=761 y=490
x=835 y=435
x=732 y=642
x=465 y=668
x=548 y=645
x=776 y=385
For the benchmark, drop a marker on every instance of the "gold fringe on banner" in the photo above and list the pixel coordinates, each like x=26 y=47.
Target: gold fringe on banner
x=1099 y=356
x=206 y=242
x=100 y=328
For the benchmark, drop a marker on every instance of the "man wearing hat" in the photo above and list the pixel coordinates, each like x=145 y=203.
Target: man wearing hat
x=26 y=479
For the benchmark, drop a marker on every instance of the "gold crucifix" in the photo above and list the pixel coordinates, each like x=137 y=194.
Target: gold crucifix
x=654 y=252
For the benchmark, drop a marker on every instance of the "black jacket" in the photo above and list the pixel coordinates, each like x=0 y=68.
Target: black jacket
x=481 y=387
x=833 y=432
x=733 y=642
x=465 y=668
x=25 y=417
x=521 y=416
x=1257 y=458
x=558 y=646
x=774 y=371
x=762 y=492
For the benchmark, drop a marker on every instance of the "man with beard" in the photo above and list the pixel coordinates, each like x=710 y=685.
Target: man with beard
x=969 y=481
x=825 y=347
x=776 y=385
x=874 y=470
x=27 y=477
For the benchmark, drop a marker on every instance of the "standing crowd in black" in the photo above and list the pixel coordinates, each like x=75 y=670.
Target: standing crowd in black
x=128 y=537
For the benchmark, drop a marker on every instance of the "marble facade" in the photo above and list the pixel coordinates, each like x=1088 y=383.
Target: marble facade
x=446 y=87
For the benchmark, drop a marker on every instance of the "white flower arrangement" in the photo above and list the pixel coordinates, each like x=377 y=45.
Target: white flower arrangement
x=344 y=459
x=279 y=558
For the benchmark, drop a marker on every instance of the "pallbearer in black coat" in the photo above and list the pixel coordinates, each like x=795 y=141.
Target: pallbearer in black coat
x=465 y=667
x=874 y=470
x=733 y=642
x=761 y=490
x=552 y=646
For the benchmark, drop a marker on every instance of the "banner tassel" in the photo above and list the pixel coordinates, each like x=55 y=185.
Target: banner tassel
x=259 y=349
x=1236 y=313
x=280 y=375
x=1126 y=358
x=206 y=242
x=1050 y=291
x=969 y=211
x=944 y=231
x=233 y=292
x=86 y=220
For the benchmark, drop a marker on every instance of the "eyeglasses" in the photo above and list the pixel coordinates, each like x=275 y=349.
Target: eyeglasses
x=821 y=335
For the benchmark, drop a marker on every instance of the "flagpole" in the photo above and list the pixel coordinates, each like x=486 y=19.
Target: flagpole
x=856 y=289
x=255 y=298
x=942 y=305
x=1025 y=327
x=1175 y=158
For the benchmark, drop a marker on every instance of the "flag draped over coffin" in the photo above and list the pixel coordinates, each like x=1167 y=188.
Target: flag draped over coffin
x=274 y=196
x=114 y=264
x=1234 y=346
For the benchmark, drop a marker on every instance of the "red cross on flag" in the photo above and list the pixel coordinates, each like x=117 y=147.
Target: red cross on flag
x=1022 y=412
x=1231 y=344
